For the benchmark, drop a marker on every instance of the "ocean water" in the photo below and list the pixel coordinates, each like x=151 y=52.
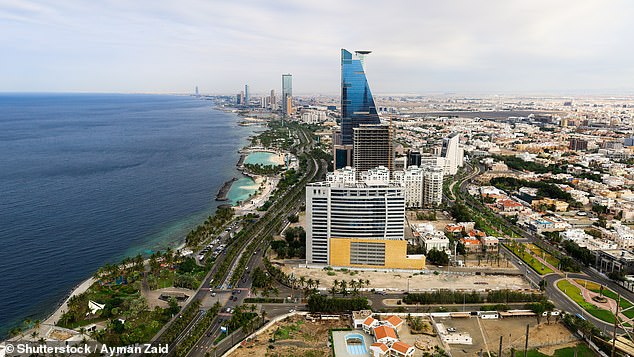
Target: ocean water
x=87 y=179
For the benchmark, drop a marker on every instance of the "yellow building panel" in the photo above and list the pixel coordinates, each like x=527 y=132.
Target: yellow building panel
x=395 y=254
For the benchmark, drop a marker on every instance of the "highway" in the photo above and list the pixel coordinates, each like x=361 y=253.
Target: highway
x=268 y=225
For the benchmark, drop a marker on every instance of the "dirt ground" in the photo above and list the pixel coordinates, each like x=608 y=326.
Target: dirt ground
x=398 y=281
x=550 y=337
x=307 y=339
x=439 y=224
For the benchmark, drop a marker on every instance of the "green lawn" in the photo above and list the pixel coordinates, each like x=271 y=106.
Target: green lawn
x=592 y=286
x=582 y=351
x=531 y=261
x=575 y=294
x=543 y=254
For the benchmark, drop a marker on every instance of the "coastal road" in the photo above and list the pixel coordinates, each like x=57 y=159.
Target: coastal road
x=206 y=342
x=278 y=213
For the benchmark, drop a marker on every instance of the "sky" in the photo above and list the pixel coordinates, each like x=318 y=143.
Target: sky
x=419 y=47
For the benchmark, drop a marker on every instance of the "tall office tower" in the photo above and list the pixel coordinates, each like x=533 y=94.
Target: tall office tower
x=287 y=94
x=247 y=98
x=273 y=100
x=342 y=154
x=357 y=224
x=238 y=98
x=357 y=103
x=372 y=147
x=241 y=100
x=452 y=153
x=197 y=94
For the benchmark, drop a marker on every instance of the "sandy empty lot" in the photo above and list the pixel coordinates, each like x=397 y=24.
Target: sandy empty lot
x=296 y=337
x=512 y=331
x=396 y=281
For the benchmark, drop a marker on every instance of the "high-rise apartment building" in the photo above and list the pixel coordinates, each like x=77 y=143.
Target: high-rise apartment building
x=357 y=103
x=247 y=98
x=432 y=186
x=423 y=185
x=357 y=224
x=373 y=147
x=287 y=94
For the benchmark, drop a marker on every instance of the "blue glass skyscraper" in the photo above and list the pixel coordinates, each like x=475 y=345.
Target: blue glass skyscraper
x=357 y=103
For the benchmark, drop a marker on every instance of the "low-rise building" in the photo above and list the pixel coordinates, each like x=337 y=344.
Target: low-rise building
x=490 y=244
x=615 y=260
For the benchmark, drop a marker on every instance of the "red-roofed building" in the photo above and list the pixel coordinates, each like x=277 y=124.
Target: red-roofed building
x=385 y=334
x=395 y=321
x=401 y=349
x=509 y=205
x=369 y=323
x=471 y=245
x=379 y=349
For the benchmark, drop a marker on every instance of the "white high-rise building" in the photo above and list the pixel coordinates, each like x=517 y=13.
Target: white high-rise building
x=344 y=175
x=359 y=217
x=452 y=153
x=377 y=174
x=432 y=186
x=412 y=180
x=423 y=185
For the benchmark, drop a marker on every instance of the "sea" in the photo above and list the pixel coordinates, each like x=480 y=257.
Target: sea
x=88 y=179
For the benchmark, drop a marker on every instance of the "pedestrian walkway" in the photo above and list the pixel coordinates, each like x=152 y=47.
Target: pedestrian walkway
x=587 y=295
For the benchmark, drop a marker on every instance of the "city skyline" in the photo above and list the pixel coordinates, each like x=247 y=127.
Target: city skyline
x=460 y=47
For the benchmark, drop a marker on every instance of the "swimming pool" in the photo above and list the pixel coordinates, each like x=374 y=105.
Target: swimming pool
x=356 y=344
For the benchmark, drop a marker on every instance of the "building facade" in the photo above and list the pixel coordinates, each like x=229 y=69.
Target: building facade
x=372 y=147
x=357 y=103
x=359 y=224
x=452 y=153
x=287 y=94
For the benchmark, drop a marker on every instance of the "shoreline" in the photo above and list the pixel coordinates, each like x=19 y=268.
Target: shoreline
x=62 y=305
x=255 y=200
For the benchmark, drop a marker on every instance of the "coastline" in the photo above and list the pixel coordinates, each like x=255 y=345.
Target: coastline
x=51 y=317
x=263 y=186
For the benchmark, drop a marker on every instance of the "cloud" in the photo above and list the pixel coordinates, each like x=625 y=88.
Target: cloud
x=418 y=46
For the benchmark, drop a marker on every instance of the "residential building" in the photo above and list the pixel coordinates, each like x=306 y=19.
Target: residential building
x=402 y=349
x=490 y=244
x=247 y=95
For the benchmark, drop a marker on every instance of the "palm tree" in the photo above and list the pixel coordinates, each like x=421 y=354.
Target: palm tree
x=333 y=290
x=317 y=284
x=344 y=287
x=302 y=280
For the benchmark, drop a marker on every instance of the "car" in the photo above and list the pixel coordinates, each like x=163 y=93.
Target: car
x=291 y=310
x=228 y=310
x=451 y=329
